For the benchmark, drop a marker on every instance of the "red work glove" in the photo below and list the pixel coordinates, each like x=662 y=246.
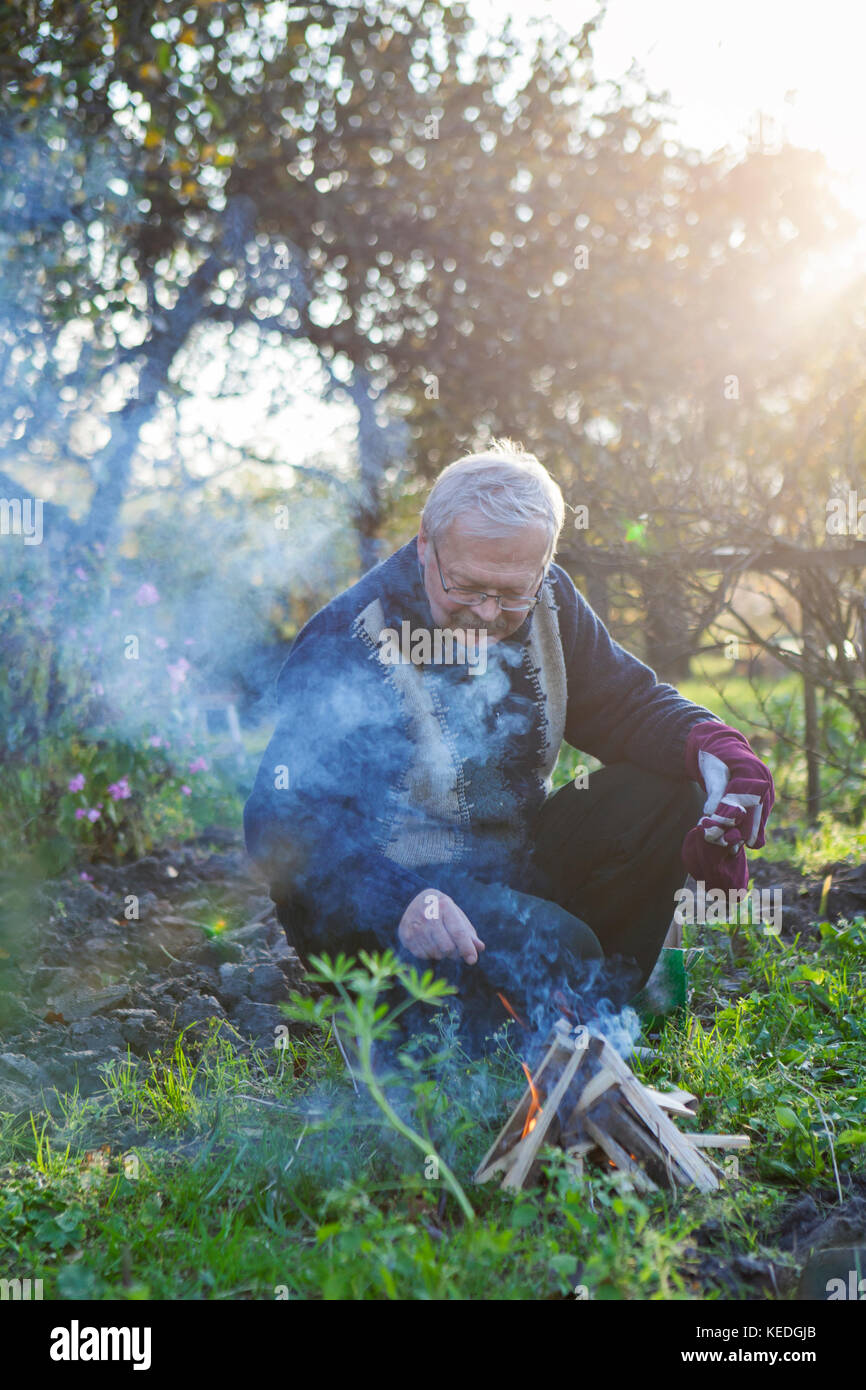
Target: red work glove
x=740 y=796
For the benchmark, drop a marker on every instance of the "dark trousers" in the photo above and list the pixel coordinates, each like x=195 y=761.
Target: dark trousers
x=587 y=920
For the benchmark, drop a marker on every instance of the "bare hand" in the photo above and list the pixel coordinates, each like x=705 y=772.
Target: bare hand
x=434 y=927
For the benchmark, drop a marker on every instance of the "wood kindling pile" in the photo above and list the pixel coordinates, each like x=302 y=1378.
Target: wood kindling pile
x=585 y=1099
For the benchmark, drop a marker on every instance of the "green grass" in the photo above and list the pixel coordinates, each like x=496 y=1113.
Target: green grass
x=244 y=1184
x=306 y=1195
x=735 y=699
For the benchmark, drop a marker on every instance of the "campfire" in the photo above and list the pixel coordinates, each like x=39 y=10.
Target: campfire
x=585 y=1099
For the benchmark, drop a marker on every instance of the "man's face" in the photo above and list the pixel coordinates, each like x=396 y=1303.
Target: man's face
x=511 y=565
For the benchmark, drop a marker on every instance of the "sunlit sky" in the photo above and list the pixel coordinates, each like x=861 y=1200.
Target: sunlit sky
x=799 y=63
x=721 y=63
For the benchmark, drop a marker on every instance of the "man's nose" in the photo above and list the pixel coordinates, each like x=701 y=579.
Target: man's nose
x=488 y=611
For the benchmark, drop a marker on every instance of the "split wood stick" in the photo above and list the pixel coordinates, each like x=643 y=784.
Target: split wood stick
x=620 y=1158
x=498 y=1165
x=583 y=1146
x=675 y=1102
x=643 y=1146
x=598 y=1077
x=546 y=1129
x=505 y=1161
x=575 y=1153
x=601 y=1082
x=532 y=1142
x=721 y=1141
x=695 y=1166
x=674 y=1145
x=675 y=1148
x=509 y=1136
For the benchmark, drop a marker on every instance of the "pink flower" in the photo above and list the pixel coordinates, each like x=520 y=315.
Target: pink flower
x=155 y=741
x=177 y=672
x=115 y=612
x=187 y=791
x=161 y=643
x=93 y=815
x=120 y=791
x=146 y=595
x=198 y=765
x=76 y=783
x=80 y=813
x=88 y=878
x=80 y=573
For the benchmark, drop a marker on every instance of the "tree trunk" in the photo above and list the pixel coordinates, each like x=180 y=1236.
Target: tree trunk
x=667 y=635
x=810 y=720
x=373 y=458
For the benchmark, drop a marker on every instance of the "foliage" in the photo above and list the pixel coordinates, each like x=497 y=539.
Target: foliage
x=783 y=1057
x=828 y=842
x=106 y=754
x=155 y=210
x=357 y=1009
x=770 y=712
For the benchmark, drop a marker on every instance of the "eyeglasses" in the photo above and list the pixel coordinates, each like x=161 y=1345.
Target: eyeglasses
x=518 y=604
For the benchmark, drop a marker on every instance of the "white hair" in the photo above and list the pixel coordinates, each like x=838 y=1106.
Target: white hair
x=504 y=487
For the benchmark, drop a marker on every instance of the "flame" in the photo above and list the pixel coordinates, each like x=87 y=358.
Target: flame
x=564 y=1007
x=514 y=1014
x=535 y=1104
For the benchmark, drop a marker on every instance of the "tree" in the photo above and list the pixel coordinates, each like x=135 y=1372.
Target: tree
x=169 y=169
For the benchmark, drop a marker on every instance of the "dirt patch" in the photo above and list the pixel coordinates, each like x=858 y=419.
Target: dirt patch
x=90 y=970
x=798 y=1230
x=801 y=893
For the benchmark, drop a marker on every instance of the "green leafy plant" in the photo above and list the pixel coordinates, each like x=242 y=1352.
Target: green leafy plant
x=357 y=1008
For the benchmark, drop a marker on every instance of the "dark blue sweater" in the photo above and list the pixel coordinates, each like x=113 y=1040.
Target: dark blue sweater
x=378 y=773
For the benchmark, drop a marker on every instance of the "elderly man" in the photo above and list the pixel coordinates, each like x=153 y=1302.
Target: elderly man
x=404 y=800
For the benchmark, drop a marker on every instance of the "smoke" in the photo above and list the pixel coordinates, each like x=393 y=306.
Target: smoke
x=544 y=966
x=201 y=590
x=191 y=598
x=134 y=640
x=371 y=782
